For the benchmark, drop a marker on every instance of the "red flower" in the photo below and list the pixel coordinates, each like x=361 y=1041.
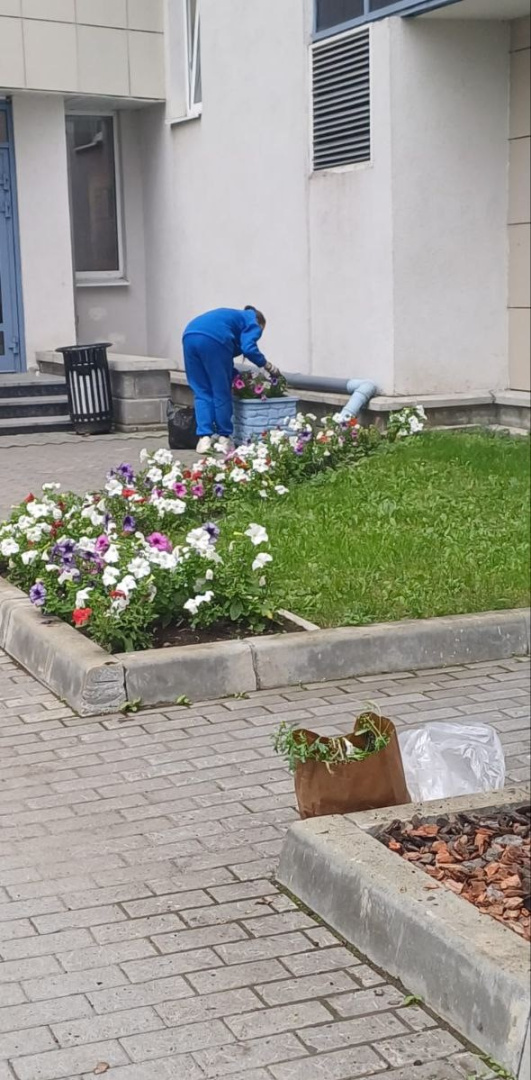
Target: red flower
x=128 y=492
x=187 y=474
x=29 y=498
x=117 y=594
x=81 y=616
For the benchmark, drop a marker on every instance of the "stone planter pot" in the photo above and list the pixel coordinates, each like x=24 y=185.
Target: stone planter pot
x=253 y=417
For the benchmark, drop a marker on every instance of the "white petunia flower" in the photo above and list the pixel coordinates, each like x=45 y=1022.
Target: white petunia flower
x=112 y=555
x=110 y=576
x=36 y=533
x=67 y=575
x=126 y=585
x=28 y=557
x=9 y=547
x=257 y=534
x=139 y=568
x=262 y=560
x=144 y=456
x=114 y=487
x=163 y=457
x=194 y=604
x=82 y=597
x=281 y=490
x=154 y=474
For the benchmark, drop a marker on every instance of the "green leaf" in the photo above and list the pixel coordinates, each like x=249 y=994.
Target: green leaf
x=412 y=999
x=235 y=610
x=183 y=702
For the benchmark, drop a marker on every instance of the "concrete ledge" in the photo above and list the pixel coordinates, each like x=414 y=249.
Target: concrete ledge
x=70 y=665
x=198 y=672
x=93 y=682
x=471 y=970
x=388 y=647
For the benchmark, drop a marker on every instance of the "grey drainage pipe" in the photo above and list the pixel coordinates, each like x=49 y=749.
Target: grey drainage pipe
x=361 y=390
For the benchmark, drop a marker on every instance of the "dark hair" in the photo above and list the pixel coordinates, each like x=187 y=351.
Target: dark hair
x=261 y=319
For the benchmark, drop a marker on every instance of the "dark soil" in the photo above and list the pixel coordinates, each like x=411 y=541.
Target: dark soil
x=483 y=857
x=169 y=636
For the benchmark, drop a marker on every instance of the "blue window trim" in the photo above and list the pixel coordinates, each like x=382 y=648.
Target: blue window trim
x=399 y=7
x=5 y=106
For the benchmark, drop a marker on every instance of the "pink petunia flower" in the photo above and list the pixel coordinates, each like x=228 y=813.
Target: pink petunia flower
x=160 y=542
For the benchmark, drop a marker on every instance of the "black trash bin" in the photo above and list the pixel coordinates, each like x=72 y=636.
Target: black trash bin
x=88 y=386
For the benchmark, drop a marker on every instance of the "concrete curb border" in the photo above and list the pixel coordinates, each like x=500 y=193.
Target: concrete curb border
x=471 y=970
x=92 y=682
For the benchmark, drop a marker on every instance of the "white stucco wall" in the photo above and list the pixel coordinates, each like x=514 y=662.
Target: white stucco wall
x=44 y=223
x=450 y=109
x=226 y=197
x=117 y=313
x=350 y=218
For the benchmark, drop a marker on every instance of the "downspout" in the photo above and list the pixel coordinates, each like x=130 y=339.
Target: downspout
x=361 y=390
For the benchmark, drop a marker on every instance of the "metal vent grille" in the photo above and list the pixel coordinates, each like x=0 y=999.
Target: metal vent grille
x=341 y=101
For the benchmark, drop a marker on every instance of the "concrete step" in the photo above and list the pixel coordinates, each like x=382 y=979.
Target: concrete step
x=12 y=407
x=17 y=386
x=34 y=425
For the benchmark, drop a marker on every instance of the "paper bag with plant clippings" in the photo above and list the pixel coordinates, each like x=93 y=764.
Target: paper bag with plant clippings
x=339 y=775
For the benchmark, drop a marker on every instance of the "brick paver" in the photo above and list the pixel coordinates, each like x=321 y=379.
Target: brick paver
x=141 y=934
x=78 y=463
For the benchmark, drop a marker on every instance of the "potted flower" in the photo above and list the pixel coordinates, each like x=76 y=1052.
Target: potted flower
x=260 y=404
x=342 y=775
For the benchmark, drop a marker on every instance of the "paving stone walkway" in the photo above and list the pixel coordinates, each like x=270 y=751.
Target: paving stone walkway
x=78 y=463
x=141 y=934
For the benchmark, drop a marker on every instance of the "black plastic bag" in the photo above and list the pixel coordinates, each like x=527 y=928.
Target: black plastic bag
x=182 y=431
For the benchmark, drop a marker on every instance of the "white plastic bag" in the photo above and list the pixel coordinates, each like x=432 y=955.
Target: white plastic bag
x=442 y=761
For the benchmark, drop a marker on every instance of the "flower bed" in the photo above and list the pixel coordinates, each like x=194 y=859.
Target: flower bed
x=151 y=549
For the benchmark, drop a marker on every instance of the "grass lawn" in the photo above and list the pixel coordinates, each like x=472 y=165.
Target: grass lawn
x=435 y=525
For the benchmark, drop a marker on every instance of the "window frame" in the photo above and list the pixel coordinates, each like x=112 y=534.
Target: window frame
x=192 y=41
x=396 y=7
x=103 y=277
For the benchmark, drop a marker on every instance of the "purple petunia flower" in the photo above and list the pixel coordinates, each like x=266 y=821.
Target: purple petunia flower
x=180 y=490
x=37 y=594
x=128 y=524
x=219 y=490
x=198 y=491
x=212 y=531
x=160 y=542
x=126 y=472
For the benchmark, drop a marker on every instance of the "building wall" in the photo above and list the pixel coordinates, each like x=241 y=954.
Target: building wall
x=113 y=47
x=226 y=196
x=350 y=224
x=449 y=92
x=519 y=208
x=117 y=312
x=44 y=223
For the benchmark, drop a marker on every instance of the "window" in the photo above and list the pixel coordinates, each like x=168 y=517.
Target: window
x=94 y=194
x=193 y=39
x=341 y=101
x=331 y=14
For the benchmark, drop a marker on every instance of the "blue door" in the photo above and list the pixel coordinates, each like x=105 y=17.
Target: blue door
x=11 y=359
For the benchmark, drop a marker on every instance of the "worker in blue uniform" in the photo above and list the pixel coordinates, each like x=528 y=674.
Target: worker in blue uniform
x=211 y=343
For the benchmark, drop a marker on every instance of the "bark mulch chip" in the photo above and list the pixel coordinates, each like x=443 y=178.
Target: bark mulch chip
x=483 y=857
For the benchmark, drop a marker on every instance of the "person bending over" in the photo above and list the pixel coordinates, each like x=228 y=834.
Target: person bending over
x=211 y=343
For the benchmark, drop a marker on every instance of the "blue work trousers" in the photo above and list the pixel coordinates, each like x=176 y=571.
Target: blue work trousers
x=209 y=369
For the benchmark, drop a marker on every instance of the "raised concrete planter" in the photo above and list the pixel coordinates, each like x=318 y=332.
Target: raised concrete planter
x=471 y=970
x=93 y=682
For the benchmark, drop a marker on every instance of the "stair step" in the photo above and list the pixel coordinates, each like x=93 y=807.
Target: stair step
x=34 y=425
x=16 y=386
x=33 y=406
